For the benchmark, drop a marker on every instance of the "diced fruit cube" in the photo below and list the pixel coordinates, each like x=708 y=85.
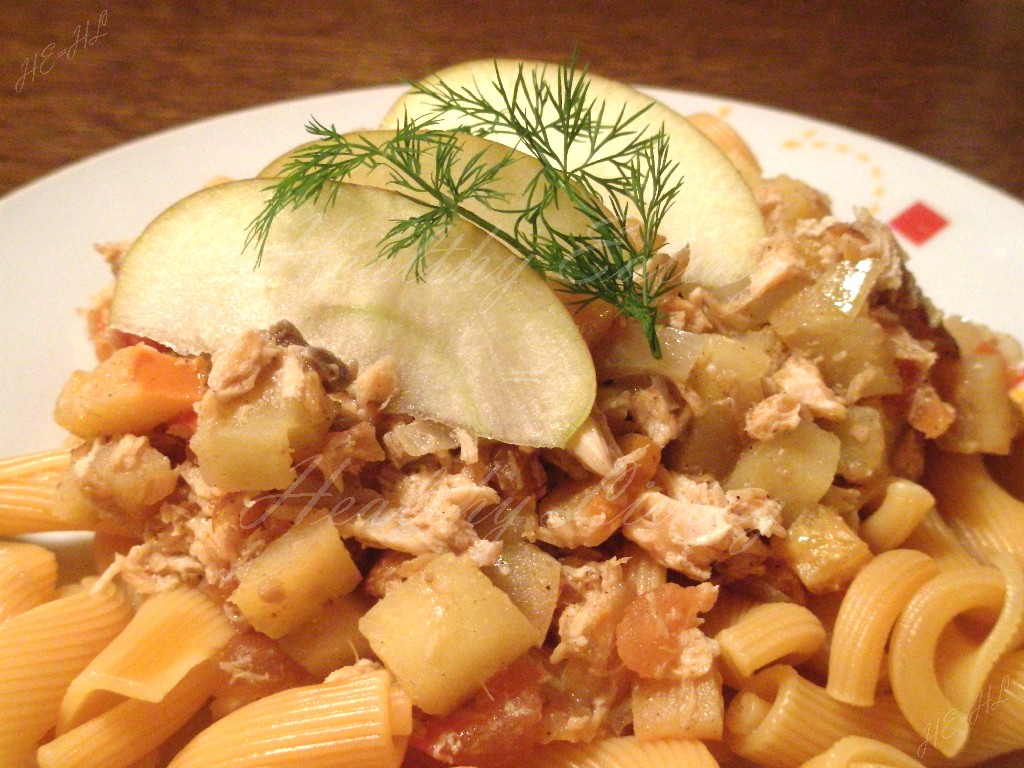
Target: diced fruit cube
x=444 y=631
x=823 y=550
x=331 y=640
x=530 y=577
x=289 y=582
x=250 y=442
x=797 y=467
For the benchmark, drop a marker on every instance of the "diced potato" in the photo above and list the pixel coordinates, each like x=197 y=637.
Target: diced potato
x=811 y=305
x=331 y=640
x=132 y=391
x=116 y=487
x=846 y=285
x=796 y=201
x=72 y=506
x=251 y=442
x=862 y=445
x=797 y=467
x=852 y=351
x=444 y=631
x=729 y=368
x=530 y=577
x=288 y=583
x=711 y=445
x=823 y=550
x=987 y=420
x=728 y=378
x=848 y=502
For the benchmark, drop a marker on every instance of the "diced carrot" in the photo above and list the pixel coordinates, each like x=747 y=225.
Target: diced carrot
x=166 y=376
x=133 y=391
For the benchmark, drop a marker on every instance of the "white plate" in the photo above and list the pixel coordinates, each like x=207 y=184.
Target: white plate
x=47 y=229
x=970 y=266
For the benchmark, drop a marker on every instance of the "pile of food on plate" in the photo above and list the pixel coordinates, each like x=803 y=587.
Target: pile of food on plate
x=546 y=431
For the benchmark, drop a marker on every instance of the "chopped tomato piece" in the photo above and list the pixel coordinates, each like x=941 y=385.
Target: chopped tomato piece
x=495 y=728
x=650 y=634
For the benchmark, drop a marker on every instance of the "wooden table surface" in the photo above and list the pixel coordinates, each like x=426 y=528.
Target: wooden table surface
x=944 y=77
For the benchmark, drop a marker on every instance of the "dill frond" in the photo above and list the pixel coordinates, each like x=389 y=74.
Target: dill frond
x=604 y=163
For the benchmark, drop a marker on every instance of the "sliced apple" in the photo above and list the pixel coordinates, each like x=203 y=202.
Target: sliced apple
x=714 y=213
x=511 y=184
x=279 y=164
x=482 y=343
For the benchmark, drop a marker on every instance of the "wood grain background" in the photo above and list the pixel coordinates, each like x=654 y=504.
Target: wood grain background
x=945 y=77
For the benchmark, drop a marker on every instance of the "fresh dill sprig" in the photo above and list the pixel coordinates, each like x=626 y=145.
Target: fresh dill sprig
x=313 y=171
x=603 y=163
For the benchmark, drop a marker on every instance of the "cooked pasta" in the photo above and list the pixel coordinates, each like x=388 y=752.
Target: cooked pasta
x=936 y=691
x=729 y=608
x=36 y=562
x=861 y=752
x=152 y=760
x=679 y=709
x=643 y=571
x=41 y=652
x=997 y=714
x=170 y=634
x=775 y=545
x=937 y=540
x=903 y=506
x=986 y=518
x=870 y=608
x=28 y=577
x=17 y=591
x=28 y=507
x=45 y=464
x=28 y=486
x=132 y=729
x=625 y=752
x=360 y=723
x=781 y=720
x=767 y=634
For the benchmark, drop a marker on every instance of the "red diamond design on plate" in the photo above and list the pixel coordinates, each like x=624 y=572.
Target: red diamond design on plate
x=918 y=223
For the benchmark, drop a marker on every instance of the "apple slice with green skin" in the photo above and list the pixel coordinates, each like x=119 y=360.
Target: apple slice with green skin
x=482 y=343
x=511 y=183
x=499 y=214
x=714 y=213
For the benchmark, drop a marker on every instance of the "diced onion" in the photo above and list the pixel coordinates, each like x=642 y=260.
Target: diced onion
x=628 y=353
